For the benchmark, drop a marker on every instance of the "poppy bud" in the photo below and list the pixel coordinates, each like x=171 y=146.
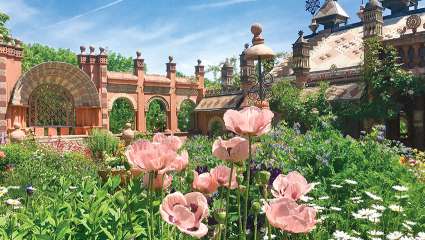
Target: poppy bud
x=240 y=178
x=263 y=177
x=242 y=188
x=256 y=207
x=30 y=190
x=220 y=216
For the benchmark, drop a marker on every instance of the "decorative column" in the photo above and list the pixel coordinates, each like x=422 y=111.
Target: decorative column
x=171 y=74
x=247 y=68
x=139 y=67
x=200 y=76
x=10 y=71
x=301 y=60
x=102 y=63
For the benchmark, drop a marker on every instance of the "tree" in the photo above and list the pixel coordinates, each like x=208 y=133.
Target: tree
x=119 y=63
x=4 y=31
x=156 y=119
x=122 y=113
x=35 y=54
x=185 y=116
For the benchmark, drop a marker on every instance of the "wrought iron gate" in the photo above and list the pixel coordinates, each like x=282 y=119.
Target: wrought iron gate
x=51 y=105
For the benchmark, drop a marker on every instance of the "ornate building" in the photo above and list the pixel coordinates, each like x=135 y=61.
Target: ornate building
x=57 y=98
x=335 y=53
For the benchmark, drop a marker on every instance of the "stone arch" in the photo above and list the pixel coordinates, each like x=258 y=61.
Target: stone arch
x=124 y=96
x=184 y=100
x=161 y=99
x=66 y=75
x=214 y=120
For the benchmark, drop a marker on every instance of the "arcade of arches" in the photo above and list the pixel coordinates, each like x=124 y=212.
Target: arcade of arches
x=57 y=98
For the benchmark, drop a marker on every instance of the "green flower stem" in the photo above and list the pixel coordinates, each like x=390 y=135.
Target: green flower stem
x=228 y=200
x=239 y=212
x=151 y=219
x=245 y=219
x=269 y=227
x=255 y=226
x=161 y=223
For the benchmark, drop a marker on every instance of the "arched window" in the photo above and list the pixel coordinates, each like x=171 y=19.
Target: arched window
x=51 y=105
x=156 y=116
x=122 y=112
x=410 y=57
x=186 y=116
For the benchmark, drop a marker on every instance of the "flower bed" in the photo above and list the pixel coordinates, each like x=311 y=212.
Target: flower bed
x=318 y=185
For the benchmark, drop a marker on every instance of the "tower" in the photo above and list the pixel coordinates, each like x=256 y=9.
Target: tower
x=373 y=19
x=226 y=74
x=301 y=59
x=330 y=15
x=247 y=68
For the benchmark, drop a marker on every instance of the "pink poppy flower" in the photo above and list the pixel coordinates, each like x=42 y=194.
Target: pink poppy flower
x=222 y=175
x=205 y=183
x=180 y=163
x=160 y=181
x=251 y=121
x=2 y=154
x=292 y=186
x=186 y=212
x=172 y=141
x=286 y=214
x=233 y=150
x=150 y=157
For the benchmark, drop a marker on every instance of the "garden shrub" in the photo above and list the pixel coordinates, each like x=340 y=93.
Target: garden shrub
x=101 y=142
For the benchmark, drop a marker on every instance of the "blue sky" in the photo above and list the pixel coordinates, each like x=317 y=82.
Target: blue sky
x=210 y=30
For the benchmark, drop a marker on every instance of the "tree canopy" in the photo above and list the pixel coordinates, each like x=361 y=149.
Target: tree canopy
x=4 y=31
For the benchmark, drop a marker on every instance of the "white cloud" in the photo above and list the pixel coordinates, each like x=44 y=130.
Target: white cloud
x=224 y=3
x=111 y=4
x=18 y=11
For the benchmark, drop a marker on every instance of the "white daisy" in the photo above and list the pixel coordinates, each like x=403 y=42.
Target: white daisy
x=378 y=207
x=375 y=233
x=3 y=191
x=349 y=181
x=306 y=198
x=373 y=196
x=340 y=235
x=394 y=235
x=411 y=223
x=336 y=186
x=396 y=208
x=402 y=196
x=337 y=209
x=14 y=203
x=408 y=227
x=400 y=188
x=420 y=236
x=324 y=198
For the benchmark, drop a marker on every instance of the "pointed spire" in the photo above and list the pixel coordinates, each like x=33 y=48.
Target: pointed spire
x=331 y=14
x=301 y=37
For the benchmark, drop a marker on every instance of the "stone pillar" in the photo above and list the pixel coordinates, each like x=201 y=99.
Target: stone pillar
x=10 y=71
x=3 y=97
x=102 y=69
x=418 y=122
x=171 y=74
x=200 y=76
x=139 y=67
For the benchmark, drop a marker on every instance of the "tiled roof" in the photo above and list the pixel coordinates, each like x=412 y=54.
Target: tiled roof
x=185 y=80
x=344 y=48
x=121 y=76
x=219 y=103
x=330 y=8
x=349 y=91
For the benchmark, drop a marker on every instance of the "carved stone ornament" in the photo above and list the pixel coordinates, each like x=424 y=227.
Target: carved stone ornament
x=18 y=135
x=413 y=22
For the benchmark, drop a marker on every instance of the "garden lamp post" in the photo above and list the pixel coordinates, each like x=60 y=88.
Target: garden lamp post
x=259 y=52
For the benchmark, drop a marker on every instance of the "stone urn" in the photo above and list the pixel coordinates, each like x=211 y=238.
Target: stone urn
x=18 y=135
x=127 y=134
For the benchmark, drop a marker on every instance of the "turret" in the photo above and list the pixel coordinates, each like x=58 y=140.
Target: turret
x=373 y=20
x=330 y=15
x=301 y=59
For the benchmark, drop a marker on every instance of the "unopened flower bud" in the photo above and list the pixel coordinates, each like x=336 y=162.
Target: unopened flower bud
x=256 y=207
x=240 y=178
x=30 y=190
x=263 y=177
x=220 y=216
x=242 y=188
